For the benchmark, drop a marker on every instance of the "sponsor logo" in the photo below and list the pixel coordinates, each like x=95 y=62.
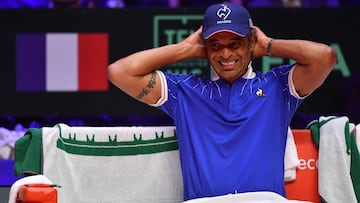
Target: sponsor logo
x=311 y=164
x=260 y=93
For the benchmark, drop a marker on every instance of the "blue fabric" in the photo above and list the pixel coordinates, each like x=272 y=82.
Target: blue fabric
x=24 y=3
x=231 y=139
x=7 y=174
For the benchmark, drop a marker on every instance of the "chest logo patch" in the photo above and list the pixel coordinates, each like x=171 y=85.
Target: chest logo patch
x=260 y=93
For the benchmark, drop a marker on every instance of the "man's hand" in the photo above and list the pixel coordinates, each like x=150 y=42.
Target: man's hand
x=197 y=42
x=261 y=43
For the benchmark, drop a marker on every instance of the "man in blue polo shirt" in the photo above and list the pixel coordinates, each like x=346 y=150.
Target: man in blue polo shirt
x=231 y=131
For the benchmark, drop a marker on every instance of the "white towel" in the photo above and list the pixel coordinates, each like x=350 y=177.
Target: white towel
x=248 y=197
x=26 y=180
x=335 y=184
x=291 y=159
x=87 y=172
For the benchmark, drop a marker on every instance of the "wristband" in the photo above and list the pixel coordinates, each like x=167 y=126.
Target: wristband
x=269 y=46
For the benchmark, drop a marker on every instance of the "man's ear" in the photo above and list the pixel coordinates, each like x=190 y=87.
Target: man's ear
x=253 y=40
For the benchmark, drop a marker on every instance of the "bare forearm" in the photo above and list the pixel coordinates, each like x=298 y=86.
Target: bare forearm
x=147 y=61
x=302 y=51
x=314 y=62
x=135 y=75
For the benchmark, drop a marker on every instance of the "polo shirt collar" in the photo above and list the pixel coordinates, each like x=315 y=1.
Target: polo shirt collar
x=249 y=73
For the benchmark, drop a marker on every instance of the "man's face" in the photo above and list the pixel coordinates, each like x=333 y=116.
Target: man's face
x=229 y=54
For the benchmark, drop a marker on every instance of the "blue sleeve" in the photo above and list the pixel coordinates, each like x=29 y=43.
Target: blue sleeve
x=173 y=85
x=293 y=101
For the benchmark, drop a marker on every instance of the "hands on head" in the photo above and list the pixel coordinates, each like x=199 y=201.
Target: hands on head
x=260 y=39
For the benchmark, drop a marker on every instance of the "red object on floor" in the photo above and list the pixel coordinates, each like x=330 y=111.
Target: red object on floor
x=37 y=193
x=305 y=186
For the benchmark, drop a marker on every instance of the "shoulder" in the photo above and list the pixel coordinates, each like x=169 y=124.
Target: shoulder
x=283 y=69
x=279 y=71
x=184 y=78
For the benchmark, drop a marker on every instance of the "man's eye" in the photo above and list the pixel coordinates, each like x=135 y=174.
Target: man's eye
x=235 y=45
x=215 y=46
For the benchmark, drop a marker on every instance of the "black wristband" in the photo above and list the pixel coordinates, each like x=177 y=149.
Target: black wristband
x=269 y=46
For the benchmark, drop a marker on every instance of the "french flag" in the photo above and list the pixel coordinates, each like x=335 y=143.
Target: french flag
x=61 y=62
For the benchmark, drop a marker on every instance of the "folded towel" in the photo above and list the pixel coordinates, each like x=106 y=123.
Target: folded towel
x=291 y=160
x=26 y=180
x=28 y=153
x=113 y=164
x=355 y=161
x=332 y=136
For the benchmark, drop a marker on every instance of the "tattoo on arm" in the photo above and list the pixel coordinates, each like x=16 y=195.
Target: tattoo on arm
x=148 y=87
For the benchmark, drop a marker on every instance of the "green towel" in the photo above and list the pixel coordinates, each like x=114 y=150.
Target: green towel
x=314 y=127
x=349 y=142
x=28 y=153
x=355 y=167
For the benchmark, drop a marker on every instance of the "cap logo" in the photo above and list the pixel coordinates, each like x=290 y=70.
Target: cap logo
x=223 y=13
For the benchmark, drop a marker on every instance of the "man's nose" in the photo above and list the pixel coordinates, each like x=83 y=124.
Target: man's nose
x=226 y=53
